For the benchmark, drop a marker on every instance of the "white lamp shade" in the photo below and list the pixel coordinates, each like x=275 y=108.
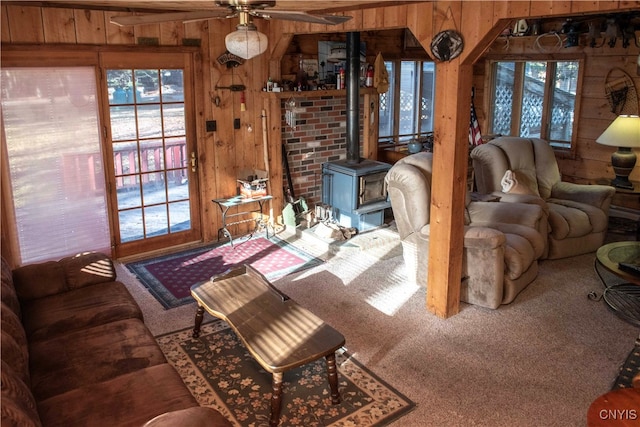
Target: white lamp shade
x=246 y=42
x=623 y=132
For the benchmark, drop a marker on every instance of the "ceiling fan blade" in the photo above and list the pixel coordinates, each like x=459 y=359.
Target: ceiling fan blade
x=157 y=18
x=294 y=15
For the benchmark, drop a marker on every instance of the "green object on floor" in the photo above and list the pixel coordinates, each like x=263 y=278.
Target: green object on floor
x=292 y=213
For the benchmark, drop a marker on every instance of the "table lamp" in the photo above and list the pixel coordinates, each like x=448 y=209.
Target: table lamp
x=623 y=133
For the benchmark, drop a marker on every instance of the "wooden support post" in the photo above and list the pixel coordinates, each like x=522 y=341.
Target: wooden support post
x=448 y=186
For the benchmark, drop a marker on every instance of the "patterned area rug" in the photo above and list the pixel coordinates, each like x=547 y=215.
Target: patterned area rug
x=221 y=374
x=170 y=277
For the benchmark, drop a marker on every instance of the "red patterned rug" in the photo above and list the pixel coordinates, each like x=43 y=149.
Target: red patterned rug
x=170 y=277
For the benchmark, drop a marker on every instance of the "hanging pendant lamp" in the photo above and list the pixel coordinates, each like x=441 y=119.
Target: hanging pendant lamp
x=246 y=42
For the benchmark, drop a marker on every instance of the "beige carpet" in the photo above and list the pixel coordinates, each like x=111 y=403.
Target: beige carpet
x=540 y=360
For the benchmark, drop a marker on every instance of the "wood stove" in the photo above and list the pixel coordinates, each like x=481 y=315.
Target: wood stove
x=355 y=187
x=356 y=192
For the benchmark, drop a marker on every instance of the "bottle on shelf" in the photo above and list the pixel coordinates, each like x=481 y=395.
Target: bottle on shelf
x=341 y=79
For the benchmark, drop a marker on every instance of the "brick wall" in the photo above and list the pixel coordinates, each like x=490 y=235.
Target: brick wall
x=319 y=137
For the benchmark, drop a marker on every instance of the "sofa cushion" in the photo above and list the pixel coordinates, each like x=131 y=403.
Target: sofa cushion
x=116 y=348
x=10 y=298
x=78 y=309
x=11 y=325
x=127 y=400
x=39 y=280
x=8 y=292
x=18 y=407
x=15 y=355
x=88 y=268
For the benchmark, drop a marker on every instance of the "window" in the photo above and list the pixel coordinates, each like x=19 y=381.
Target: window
x=536 y=99
x=52 y=132
x=406 y=110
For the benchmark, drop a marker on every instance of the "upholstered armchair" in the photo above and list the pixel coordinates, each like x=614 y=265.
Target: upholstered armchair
x=500 y=257
x=578 y=214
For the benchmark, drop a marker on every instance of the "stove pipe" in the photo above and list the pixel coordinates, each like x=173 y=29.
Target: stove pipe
x=353 y=97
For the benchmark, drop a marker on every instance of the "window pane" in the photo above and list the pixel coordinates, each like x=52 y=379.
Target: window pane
x=155 y=220
x=172 y=86
x=173 y=118
x=503 y=98
x=152 y=155
x=563 y=102
x=131 y=225
x=535 y=76
x=385 y=126
x=408 y=98
x=149 y=121
x=178 y=185
x=129 y=193
x=125 y=158
x=428 y=89
x=120 y=87
x=179 y=217
x=57 y=176
x=125 y=119
x=147 y=86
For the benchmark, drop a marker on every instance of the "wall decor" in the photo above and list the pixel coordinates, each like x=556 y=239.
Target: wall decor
x=447 y=45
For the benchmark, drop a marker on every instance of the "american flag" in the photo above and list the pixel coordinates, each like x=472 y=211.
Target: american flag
x=475 y=136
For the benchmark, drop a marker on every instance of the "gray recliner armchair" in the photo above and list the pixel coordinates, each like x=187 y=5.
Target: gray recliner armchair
x=577 y=214
x=502 y=243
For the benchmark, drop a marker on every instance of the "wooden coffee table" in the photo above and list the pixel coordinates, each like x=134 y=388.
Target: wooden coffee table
x=279 y=333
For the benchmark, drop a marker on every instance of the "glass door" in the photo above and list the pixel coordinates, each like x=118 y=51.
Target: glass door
x=154 y=160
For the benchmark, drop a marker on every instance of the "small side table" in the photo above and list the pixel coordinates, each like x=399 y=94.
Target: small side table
x=627 y=199
x=623 y=298
x=237 y=201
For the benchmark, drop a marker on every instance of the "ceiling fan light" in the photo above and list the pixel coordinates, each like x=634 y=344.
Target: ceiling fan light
x=246 y=42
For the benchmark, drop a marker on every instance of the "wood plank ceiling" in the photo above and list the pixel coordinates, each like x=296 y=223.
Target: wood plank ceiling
x=313 y=6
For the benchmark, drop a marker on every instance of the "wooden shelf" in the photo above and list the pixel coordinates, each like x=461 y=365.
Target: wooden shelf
x=317 y=93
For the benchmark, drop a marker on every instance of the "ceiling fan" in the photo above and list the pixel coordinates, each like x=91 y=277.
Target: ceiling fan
x=246 y=42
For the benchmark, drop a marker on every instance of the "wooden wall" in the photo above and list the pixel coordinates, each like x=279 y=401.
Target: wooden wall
x=222 y=153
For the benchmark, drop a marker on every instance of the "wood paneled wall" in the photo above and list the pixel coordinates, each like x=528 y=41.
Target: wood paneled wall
x=222 y=153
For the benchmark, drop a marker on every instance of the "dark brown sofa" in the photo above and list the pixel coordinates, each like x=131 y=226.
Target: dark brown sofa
x=75 y=352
